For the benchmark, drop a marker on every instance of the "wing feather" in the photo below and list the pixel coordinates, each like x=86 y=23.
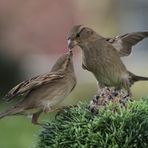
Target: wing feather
x=124 y=43
x=26 y=86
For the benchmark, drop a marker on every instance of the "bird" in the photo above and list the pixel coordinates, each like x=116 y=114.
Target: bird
x=43 y=93
x=102 y=56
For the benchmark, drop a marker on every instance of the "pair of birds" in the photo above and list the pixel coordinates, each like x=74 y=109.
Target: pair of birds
x=101 y=56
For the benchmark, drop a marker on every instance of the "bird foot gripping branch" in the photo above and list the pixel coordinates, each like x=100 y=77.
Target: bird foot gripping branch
x=107 y=96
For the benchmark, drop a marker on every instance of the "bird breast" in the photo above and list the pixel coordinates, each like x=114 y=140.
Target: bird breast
x=104 y=62
x=57 y=95
x=51 y=94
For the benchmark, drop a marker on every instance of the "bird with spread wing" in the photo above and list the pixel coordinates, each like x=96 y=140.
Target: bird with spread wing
x=101 y=56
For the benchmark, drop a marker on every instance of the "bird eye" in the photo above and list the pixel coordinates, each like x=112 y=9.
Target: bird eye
x=77 y=35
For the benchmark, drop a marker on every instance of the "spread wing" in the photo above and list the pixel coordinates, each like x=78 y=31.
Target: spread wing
x=124 y=43
x=26 y=86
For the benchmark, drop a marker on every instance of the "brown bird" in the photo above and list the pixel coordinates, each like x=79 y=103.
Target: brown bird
x=42 y=93
x=101 y=56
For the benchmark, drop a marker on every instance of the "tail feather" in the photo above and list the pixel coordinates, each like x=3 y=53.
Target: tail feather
x=139 y=78
x=134 y=78
x=11 y=111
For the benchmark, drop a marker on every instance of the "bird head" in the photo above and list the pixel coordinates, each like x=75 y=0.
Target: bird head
x=63 y=62
x=78 y=35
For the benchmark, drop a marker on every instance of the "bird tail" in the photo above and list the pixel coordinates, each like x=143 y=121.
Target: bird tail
x=139 y=78
x=134 y=78
x=11 y=111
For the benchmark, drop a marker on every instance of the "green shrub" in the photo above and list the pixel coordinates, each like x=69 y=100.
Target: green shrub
x=112 y=127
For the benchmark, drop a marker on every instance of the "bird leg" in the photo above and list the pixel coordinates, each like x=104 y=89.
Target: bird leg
x=129 y=93
x=126 y=85
x=35 y=117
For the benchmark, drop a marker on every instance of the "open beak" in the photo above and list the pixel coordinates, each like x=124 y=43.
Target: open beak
x=71 y=43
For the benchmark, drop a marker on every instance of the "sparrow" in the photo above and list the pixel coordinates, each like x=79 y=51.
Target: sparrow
x=42 y=93
x=101 y=56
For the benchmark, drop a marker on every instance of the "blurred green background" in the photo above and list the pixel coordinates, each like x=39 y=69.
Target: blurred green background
x=33 y=34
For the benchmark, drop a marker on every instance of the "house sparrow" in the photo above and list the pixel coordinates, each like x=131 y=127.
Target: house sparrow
x=42 y=93
x=101 y=56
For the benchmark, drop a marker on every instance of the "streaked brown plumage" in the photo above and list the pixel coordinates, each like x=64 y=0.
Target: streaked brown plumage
x=123 y=43
x=101 y=56
x=42 y=93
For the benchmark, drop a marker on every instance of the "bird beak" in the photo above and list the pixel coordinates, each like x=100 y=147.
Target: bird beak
x=71 y=43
